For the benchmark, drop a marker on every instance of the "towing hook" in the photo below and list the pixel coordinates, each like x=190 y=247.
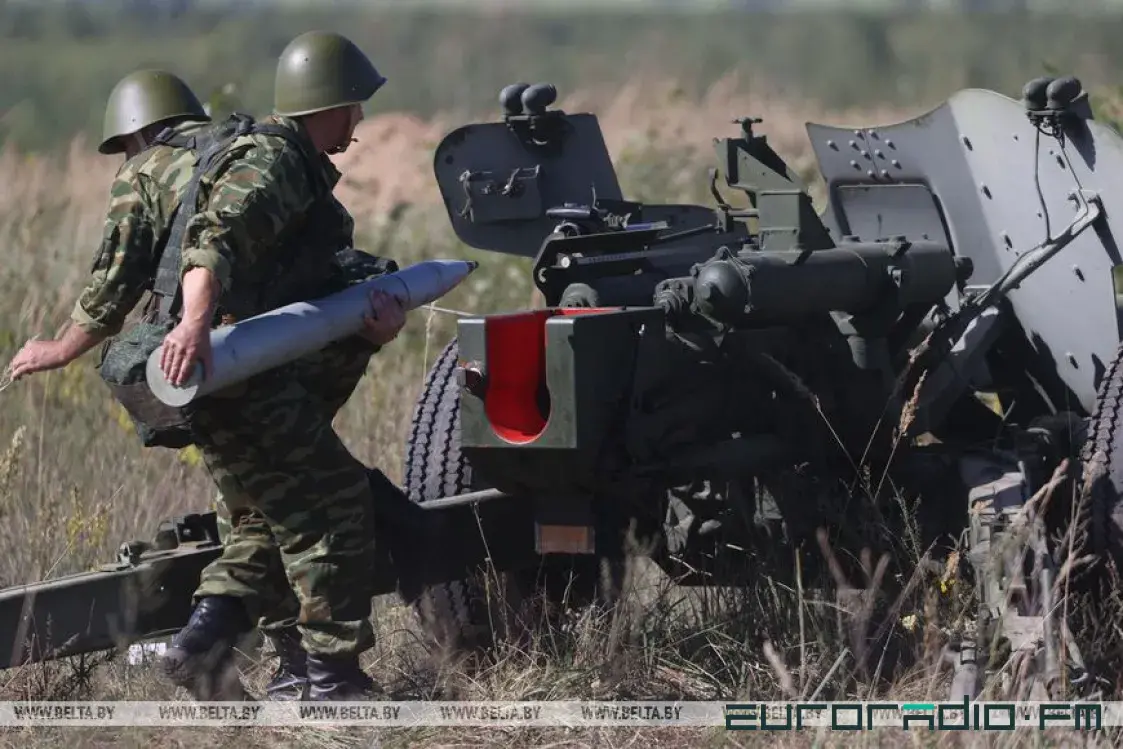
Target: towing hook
x=470 y=376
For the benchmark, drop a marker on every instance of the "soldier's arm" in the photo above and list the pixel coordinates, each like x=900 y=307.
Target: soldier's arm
x=189 y=342
x=122 y=267
x=120 y=273
x=76 y=341
x=248 y=207
x=118 y=279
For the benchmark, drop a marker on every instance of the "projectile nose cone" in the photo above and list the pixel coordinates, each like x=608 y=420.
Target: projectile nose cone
x=472 y=265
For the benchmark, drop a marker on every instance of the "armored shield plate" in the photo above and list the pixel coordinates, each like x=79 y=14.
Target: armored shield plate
x=977 y=174
x=497 y=186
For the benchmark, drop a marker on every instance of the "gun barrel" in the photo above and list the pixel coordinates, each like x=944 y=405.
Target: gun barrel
x=851 y=278
x=273 y=338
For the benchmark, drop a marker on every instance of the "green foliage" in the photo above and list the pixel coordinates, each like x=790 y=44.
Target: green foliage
x=61 y=59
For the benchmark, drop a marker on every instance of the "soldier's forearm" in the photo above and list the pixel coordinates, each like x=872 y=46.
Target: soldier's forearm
x=77 y=341
x=200 y=296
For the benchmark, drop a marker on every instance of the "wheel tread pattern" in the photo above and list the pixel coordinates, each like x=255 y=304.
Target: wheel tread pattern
x=1102 y=456
x=435 y=468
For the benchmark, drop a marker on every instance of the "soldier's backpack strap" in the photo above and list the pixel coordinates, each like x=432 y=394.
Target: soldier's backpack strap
x=124 y=362
x=166 y=285
x=207 y=146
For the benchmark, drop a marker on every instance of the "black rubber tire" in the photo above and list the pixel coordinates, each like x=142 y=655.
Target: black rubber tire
x=468 y=615
x=1105 y=481
x=434 y=468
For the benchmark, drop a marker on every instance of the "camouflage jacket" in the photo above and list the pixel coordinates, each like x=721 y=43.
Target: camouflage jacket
x=144 y=194
x=267 y=224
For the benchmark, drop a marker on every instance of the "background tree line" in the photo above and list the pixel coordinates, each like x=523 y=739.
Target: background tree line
x=59 y=59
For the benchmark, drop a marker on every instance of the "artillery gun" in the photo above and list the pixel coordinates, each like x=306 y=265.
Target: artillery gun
x=705 y=377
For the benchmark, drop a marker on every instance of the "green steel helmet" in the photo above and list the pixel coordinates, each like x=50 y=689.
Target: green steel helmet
x=321 y=70
x=143 y=98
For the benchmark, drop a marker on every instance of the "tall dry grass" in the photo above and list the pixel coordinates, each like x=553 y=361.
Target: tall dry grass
x=74 y=483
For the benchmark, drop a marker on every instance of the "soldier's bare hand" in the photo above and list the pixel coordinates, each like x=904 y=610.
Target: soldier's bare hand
x=386 y=318
x=37 y=356
x=188 y=343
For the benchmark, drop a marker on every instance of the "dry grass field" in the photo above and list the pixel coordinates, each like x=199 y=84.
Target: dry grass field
x=74 y=483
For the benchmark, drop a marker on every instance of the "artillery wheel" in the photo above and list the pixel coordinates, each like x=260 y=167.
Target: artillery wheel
x=475 y=613
x=1102 y=456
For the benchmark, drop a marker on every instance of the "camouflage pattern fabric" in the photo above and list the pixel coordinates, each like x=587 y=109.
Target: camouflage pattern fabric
x=290 y=485
x=279 y=608
x=124 y=359
x=270 y=231
x=268 y=226
x=143 y=196
x=331 y=375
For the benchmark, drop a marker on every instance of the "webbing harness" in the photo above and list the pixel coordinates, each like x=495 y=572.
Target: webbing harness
x=208 y=146
x=124 y=358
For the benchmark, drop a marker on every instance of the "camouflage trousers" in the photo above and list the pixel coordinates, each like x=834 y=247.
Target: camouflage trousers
x=331 y=375
x=300 y=541
x=298 y=545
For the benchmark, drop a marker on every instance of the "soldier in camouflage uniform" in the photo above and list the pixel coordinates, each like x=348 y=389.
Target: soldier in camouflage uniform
x=142 y=197
x=265 y=233
x=331 y=376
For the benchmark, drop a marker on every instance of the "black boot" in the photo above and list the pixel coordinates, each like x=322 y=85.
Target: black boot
x=290 y=680
x=200 y=657
x=338 y=678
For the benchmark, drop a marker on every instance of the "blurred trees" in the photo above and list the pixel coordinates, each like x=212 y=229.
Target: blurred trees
x=60 y=58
